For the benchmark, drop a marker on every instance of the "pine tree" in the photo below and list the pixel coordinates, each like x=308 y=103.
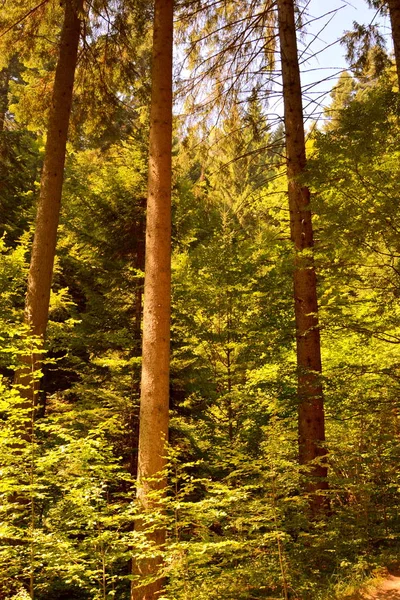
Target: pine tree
x=393 y=6
x=310 y=395
x=154 y=398
x=394 y=11
x=48 y=211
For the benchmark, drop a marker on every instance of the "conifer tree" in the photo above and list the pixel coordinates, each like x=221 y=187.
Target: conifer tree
x=310 y=395
x=48 y=210
x=4 y=89
x=393 y=6
x=341 y=96
x=154 y=399
x=394 y=11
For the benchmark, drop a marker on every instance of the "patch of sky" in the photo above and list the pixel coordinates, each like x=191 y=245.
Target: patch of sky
x=322 y=55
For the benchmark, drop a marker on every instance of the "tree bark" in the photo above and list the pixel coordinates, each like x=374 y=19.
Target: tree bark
x=48 y=210
x=311 y=421
x=394 y=12
x=154 y=400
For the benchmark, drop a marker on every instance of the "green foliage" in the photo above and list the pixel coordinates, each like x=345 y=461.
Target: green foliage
x=67 y=519
x=238 y=523
x=19 y=162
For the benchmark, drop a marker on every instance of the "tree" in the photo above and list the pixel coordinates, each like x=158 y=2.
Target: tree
x=354 y=171
x=102 y=250
x=393 y=6
x=230 y=75
x=310 y=395
x=4 y=89
x=154 y=398
x=394 y=12
x=48 y=211
x=341 y=95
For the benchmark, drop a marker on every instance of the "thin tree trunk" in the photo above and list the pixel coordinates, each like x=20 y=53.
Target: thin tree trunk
x=4 y=89
x=48 y=210
x=394 y=11
x=310 y=394
x=140 y=264
x=154 y=401
x=140 y=235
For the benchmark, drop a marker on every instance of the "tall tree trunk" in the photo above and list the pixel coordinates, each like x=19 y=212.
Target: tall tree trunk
x=48 y=210
x=154 y=400
x=394 y=11
x=310 y=394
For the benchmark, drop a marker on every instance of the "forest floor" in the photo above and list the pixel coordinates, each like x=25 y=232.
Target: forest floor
x=389 y=589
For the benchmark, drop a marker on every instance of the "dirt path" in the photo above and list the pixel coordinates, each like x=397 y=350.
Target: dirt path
x=388 y=590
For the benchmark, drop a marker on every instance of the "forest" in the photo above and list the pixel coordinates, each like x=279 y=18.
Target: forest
x=199 y=301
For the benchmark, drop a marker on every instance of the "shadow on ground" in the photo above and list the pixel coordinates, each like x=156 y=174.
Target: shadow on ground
x=394 y=571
